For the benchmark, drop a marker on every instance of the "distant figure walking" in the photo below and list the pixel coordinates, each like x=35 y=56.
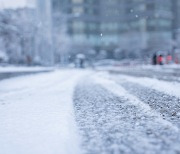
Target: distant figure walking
x=29 y=60
x=169 y=59
x=160 y=59
x=154 y=59
x=80 y=61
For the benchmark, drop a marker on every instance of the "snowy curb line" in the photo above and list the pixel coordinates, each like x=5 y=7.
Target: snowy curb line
x=6 y=75
x=170 y=88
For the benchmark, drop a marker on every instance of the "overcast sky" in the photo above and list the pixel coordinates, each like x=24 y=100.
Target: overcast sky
x=14 y=3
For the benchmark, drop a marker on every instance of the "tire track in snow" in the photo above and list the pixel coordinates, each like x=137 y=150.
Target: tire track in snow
x=112 y=123
x=168 y=106
x=166 y=76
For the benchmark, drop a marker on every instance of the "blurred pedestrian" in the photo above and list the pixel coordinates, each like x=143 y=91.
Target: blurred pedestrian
x=29 y=60
x=154 y=59
x=169 y=59
x=160 y=59
x=80 y=61
x=176 y=59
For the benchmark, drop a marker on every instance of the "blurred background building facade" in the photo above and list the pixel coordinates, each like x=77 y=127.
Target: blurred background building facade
x=44 y=44
x=57 y=30
x=133 y=26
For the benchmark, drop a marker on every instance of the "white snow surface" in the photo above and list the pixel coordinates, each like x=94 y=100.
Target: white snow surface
x=171 y=88
x=10 y=69
x=36 y=114
x=158 y=68
x=118 y=90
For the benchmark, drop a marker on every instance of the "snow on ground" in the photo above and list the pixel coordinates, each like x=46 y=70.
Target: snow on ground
x=76 y=111
x=161 y=96
x=172 y=68
x=8 y=69
x=36 y=114
x=159 y=67
x=113 y=87
x=112 y=120
x=171 y=88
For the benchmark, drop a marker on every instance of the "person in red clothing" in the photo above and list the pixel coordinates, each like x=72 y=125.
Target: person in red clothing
x=169 y=59
x=160 y=59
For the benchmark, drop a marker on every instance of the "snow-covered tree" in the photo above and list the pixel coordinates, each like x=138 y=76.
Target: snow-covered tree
x=17 y=33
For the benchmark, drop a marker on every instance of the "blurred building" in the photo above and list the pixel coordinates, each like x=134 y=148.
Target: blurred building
x=137 y=27
x=77 y=21
x=93 y=24
x=44 y=46
x=150 y=24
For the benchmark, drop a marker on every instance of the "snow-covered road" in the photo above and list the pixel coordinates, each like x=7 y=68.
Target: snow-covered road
x=118 y=116
x=88 y=112
x=167 y=73
x=37 y=116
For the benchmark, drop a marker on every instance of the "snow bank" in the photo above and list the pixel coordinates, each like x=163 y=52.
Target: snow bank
x=170 y=66
x=171 y=88
x=10 y=69
x=37 y=116
x=158 y=68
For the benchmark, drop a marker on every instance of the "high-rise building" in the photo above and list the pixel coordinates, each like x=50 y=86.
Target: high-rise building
x=93 y=23
x=78 y=18
x=127 y=25
x=176 y=30
x=159 y=25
